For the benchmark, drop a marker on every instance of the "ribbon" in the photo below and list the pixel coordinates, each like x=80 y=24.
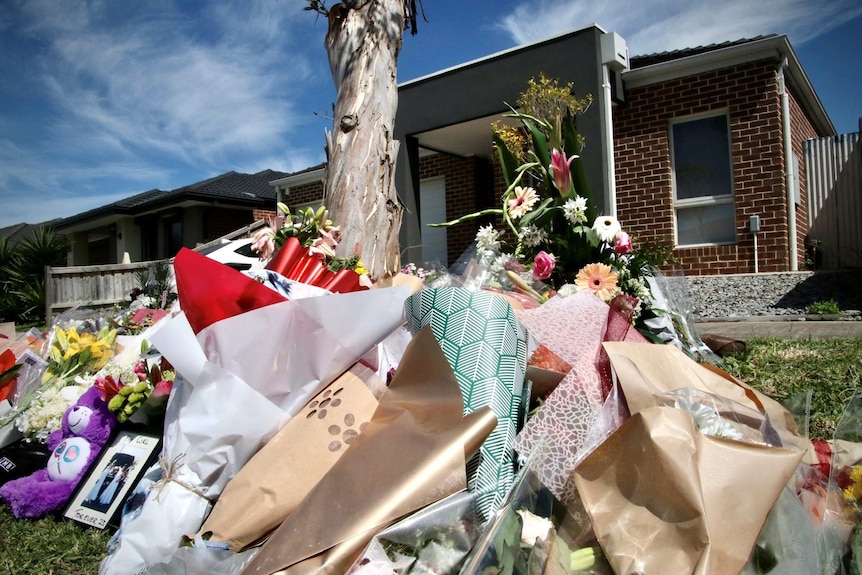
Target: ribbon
x=168 y=472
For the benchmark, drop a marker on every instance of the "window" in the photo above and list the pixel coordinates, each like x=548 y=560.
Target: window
x=432 y=210
x=703 y=186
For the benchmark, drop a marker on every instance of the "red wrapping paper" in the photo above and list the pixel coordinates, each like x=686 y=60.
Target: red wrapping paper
x=285 y=257
x=237 y=293
x=343 y=282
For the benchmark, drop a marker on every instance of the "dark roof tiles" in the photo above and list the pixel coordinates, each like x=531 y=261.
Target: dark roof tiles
x=644 y=60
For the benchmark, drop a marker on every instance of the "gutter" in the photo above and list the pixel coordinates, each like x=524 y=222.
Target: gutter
x=788 y=166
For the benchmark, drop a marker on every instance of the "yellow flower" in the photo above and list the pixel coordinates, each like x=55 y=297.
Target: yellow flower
x=853 y=493
x=599 y=279
x=360 y=268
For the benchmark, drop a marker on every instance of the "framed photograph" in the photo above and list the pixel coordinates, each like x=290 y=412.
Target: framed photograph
x=98 y=501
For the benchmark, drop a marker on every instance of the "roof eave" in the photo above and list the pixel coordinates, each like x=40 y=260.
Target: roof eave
x=299 y=179
x=775 y=47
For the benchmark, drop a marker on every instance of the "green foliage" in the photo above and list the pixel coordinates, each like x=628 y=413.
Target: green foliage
x=22 y=274
x=828 y=307
x=785 y=370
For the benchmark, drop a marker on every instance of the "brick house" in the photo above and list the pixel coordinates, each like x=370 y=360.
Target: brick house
x=701 y=145
x=684 y=147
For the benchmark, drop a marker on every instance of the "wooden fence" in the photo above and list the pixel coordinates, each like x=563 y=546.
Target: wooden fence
x=106 y=285
x=90 y=286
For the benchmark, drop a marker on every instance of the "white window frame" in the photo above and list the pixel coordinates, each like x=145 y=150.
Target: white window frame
x=701 y=201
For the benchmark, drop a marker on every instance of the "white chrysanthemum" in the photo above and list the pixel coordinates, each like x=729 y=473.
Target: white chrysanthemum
x=45 y=414
x=575 y=210
x=531 y=236
x=568 y=289
x=487 y=238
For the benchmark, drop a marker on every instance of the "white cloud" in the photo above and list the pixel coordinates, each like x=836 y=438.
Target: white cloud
x=659 y=25
x=128 y=97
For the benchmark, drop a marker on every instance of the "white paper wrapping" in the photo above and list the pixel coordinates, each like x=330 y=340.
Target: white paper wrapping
x=238 y=381
x=214 y=423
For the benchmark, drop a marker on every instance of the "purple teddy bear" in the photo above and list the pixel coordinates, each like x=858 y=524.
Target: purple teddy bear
x=87 y=427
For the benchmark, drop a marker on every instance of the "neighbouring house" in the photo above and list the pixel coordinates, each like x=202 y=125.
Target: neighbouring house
x=709 y=154
x=154 y=225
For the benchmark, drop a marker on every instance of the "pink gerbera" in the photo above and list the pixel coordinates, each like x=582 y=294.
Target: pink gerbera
x=522 y=202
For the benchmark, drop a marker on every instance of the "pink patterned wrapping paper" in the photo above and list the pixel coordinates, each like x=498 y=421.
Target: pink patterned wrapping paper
x=572 y=415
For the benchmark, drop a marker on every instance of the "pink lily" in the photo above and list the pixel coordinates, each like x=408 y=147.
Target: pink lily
x=561 y=171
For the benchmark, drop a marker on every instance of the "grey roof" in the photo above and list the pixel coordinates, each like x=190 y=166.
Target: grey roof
x=232 y=187
x=17 y=232
x=641 y=61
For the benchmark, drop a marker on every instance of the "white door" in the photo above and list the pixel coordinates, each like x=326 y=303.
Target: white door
x=432 y=210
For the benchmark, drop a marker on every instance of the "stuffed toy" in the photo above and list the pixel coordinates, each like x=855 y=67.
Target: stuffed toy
x=87 y=426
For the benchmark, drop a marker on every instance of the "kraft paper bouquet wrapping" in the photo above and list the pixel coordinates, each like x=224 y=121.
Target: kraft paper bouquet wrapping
x=686 y=483
x=486 y=347
x=270 y=486
x=247 y=361
x=411 y=454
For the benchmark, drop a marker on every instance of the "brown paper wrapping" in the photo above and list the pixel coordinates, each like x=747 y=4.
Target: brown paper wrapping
x=665 y=498
x=270 y=486
x=411 y=454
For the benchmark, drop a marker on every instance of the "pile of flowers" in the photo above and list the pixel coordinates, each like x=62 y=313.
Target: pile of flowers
x=129 y=385
x=551 y=236
x=149 y=302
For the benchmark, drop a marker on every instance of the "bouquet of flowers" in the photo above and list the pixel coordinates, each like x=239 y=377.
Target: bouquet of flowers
x=73 y=356
x=551 y=234
x=301 y=246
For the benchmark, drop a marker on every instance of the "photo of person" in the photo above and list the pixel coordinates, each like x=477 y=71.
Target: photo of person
x=110 y=482
x=100 y=498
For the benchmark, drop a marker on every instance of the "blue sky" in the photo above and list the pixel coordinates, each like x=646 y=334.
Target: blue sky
x=100 y=99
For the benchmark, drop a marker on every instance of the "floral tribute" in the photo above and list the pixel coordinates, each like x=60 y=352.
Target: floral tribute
x=551 y=236
x=301 y=247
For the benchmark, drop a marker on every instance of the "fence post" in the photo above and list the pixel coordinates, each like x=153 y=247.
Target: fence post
x=49 y=295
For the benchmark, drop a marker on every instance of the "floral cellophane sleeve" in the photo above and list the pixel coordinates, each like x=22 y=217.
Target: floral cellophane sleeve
x=573 y=328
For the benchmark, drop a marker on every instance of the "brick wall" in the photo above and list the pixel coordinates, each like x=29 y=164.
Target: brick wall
x=222 y=221
x=305 y=194
x=265 y=215
x=749 y=94
x=468 y=189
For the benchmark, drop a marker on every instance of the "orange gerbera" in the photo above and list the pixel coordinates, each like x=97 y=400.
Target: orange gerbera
x=599 y=279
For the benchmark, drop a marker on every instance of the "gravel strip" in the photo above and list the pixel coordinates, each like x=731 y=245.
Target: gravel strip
x=774 y=294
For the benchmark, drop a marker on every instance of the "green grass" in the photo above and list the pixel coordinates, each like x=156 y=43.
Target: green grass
x=783 y=369
x=48 y=546
x=828 y=307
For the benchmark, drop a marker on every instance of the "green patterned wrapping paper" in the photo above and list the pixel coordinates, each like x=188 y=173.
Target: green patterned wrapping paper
x=487 y=349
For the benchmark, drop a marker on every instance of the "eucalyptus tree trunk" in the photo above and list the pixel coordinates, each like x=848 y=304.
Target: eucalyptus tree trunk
x=363 y=41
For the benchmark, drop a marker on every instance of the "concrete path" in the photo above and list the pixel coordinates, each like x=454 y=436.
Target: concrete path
x=746 y=328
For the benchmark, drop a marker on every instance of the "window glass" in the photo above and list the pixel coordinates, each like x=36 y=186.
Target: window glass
x=701 y=156
x=706 y=224
x=703 y=186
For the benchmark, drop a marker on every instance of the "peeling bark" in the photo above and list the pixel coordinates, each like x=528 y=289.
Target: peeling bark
x=363 y=42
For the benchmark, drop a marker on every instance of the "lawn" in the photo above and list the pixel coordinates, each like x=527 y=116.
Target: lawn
x=783 y=369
